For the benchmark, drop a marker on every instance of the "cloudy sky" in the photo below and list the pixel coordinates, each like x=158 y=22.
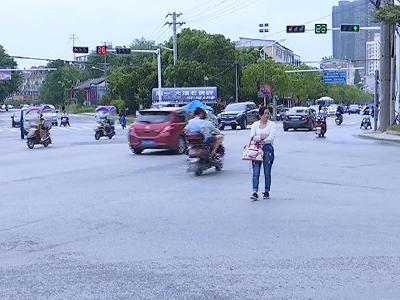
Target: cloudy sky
x=41 y=28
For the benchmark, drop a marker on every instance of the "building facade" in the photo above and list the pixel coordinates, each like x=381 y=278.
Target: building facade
x=373 y=55
x=32 y=82
x=352 y=45
x=273 y=49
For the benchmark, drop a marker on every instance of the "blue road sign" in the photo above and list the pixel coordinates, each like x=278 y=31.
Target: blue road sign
x=335 y=77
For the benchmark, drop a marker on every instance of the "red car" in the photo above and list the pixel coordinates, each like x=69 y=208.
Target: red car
x=159 y=129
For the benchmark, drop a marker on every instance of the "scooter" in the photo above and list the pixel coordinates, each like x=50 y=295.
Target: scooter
x=33 y=138
x=366 y=123
x=339 y=119
x=199 y=155
x=102 y=130
x=320 y=126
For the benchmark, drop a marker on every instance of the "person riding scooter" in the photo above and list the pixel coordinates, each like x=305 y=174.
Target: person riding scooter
x=339 y=115
x=199 y=125
x=64 y=119
x=42 y=128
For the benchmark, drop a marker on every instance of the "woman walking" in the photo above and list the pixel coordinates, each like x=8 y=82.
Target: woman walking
x=263 y=134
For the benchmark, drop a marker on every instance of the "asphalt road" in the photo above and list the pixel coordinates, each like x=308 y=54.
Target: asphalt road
x=89 y=219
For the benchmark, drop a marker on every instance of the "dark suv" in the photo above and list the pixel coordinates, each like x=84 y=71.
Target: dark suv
x=238 y=114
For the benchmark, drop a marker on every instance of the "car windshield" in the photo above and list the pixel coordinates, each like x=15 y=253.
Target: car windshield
x=153 y=117
x=235 y=107
x=296 y=111
x=354 y=106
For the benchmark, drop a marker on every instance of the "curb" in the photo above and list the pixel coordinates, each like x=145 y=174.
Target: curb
x=392 y=132
x=379 y=137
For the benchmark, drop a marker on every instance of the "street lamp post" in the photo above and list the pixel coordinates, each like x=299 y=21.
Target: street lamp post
x=264 y=28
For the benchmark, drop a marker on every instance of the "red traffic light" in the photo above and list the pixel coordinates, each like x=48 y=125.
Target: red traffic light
x=80 y=49
x=295 y=28
x=101 y=50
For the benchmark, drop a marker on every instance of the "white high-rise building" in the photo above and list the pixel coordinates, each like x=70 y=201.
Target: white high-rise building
x=373 y=55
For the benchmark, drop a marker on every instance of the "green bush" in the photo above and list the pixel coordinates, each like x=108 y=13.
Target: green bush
x=119 y=104
x=77 y=109
x=395 y=127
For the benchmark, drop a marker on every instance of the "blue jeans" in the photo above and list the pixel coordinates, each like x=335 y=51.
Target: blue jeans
x=268 y=160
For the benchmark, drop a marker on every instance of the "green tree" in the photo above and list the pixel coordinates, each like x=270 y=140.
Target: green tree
x=202 y=56
x=389 y=14
x=8 y=87
x=58 y=84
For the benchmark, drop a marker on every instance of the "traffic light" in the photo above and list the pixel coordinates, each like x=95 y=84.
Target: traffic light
x=101 y=50
x=295 y=28
x=321 y=28
x=80 y=49
x=350 y=27
x=123 y=50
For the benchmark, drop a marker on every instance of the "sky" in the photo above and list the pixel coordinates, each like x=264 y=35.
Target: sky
x=41 y=28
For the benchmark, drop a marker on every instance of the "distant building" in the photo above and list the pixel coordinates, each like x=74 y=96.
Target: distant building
x=274 y=50
x=373 y=55
x=334 y=63
x=32 y=82
x=94 y=89
x=352 y=45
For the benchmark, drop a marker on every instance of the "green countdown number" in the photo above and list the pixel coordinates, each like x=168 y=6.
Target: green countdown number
x=321 y=28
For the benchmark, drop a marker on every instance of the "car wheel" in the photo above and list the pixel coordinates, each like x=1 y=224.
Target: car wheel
x=221 y=127
x=181 y=146
x=137 y=151
x=244 y=124
x=198 y=172
x=233 y=127
x=285 y=129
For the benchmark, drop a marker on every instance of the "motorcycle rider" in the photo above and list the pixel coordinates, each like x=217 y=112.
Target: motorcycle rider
x=66 y=116
x=322 y=115
x=340 y=110
x=199 y=124
x=41 y=128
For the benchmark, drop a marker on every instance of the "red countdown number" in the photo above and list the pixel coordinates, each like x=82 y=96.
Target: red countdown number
x=101 y=50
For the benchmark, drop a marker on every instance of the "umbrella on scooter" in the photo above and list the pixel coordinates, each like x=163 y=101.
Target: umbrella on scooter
x=195 y=104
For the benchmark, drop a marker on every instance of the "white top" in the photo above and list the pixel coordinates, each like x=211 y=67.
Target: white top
x=260 y=134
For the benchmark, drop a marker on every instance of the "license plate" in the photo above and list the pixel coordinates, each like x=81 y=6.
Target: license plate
x=148 y=142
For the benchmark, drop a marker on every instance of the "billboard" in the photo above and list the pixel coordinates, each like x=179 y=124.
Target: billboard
x=264 y=89
x=184 y=95
x=5 y=75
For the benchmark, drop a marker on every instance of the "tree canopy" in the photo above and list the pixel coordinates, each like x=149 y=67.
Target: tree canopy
x=203 y=60
x=8 y=87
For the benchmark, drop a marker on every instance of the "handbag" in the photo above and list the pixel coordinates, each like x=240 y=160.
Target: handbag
x=253 y=151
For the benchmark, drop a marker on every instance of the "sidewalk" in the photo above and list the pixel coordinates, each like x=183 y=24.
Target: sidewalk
x=388 y=136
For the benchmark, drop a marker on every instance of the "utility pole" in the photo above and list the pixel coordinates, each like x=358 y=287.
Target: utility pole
x=73 y=37
x=376 y=100
x=393 y=77
x=385 y=73
x=237 y=81
x=174 y=25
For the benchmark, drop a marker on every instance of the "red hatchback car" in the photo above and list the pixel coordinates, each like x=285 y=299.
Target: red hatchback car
x=159 y=129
